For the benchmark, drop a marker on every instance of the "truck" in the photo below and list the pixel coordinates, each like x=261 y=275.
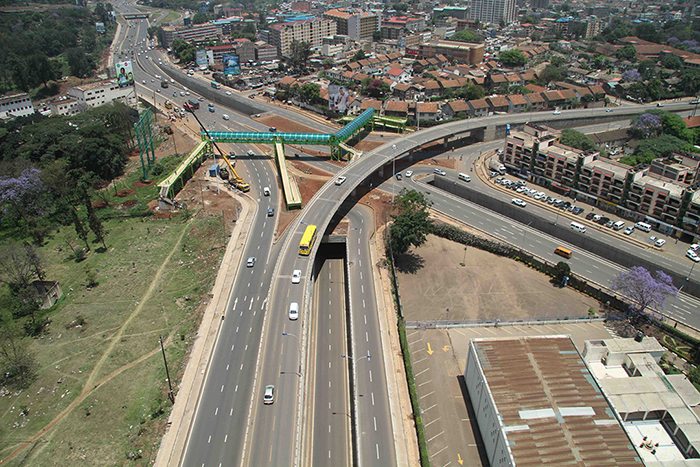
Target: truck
x=496 y=166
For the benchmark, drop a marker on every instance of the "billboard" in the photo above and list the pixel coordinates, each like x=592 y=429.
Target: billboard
x=231 y=65
x=125 y=74
x=201 y=58
x=338 y=98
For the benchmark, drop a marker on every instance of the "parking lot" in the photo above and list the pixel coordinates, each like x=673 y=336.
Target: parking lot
x=439 y=357
x=524 y=194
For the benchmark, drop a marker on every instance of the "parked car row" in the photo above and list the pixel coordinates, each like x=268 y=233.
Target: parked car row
x=519 y=186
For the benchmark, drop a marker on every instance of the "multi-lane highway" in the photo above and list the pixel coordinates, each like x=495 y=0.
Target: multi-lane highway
x=260 y=345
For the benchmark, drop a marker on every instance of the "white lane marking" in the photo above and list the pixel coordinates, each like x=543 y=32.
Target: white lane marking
x=216 y=412
x=366 y=337
x=375 y=423
x=235 y=390
x=235 y=302
x=225 y=438
x=227 y=367
x=372 y=394
x=209 y=440
x=370 y=376
x=222 y=388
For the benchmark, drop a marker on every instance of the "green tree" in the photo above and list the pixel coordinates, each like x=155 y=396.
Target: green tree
x=359 y=55
x=576 y=139
x=375 y=88
x=18 y=365
x=648 y=32
x=627 y=52
x=690 y=82
x=470 y=91
x=308 y=92
x=512 y=58
x=647 y=68
x=79 y=62
x=671 y=61
x=299 y=55
x=552 y=73
x=200 y=18
x=80 y=229
x=467 y=35
x=93 y=220
x=410 y=227
x=561 y=270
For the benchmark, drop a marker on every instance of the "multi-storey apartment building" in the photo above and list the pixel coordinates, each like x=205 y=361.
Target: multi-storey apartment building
x=312 y=31
x=199 y=33
x=16 y=105
x=356 y=24
x=493 y=11
x=462 y=52
x=665 y=193
x=101 y=92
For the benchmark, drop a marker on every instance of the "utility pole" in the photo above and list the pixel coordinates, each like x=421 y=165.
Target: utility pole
x=171 y=396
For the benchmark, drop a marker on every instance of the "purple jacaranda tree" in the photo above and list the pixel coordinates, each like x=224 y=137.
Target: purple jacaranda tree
x=20 y=196
x=690 y=44
x=631 y=76
x=644 y=289
x=646 y=125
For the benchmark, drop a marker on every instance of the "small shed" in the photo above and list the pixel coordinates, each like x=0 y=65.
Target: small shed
x=49 y=292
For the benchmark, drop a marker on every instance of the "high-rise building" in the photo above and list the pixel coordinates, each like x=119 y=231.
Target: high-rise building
x=311 y=31
x=493 y=11
x=356 y=24
x=594 y=26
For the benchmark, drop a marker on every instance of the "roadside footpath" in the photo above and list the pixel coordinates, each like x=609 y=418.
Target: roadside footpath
x=405 y=441
x=174 y=442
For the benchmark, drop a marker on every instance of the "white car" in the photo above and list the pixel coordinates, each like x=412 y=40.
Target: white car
x=269 y=395
x=557 y=112
x=340 y=180
x=228 y=93
x=296 y=276
x=226 y=117
x=692 y=255
x=659 y=242
x=408 y=173
x=439 y=172
x=608 y=110
x=519 y=202
x=294 y=311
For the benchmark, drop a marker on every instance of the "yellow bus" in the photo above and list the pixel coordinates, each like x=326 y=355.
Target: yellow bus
x=565 y=252
x=307 y=240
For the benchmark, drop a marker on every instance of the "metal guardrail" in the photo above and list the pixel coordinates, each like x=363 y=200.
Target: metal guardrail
x=440 y=324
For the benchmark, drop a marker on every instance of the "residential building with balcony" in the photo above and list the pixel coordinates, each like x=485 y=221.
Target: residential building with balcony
x=199 y=33
x=312 y=31
x=356 y=24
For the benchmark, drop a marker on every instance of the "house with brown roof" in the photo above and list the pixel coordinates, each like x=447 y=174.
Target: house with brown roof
x=597 y=91
x=554 y=99
x=570 y=98
x=479 y=107
x=498 y=104
x=536 y=101
x=371 y=103
x=394 y=108
x=431 y=88
x=427 y=111
x=401 y=91
x=496 y=79
x=518 y=103
x=454 y=108
x=286 y=82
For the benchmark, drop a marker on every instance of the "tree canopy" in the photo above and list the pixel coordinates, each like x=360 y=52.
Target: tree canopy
x=643 y=288
x=512 y=57
x=410 y=227
x=467 y=35
x=576 y=139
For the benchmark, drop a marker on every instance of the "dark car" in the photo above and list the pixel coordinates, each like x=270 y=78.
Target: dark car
x=577 y=210
x=589 y=216
x=603 y=220
x=399 y=176
x=270 y=212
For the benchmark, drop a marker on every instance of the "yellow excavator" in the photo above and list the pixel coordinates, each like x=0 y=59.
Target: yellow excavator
x=233 y=178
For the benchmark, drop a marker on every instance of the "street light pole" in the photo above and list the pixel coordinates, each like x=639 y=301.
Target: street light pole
x=393 y=171
x=690 y=273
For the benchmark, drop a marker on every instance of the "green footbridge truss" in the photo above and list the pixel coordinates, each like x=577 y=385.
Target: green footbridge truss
x=316 y=139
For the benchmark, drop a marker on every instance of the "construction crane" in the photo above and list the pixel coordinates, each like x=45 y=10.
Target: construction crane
x=234 y=179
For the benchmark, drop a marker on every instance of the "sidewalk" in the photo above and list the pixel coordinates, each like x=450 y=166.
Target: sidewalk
x=405 y=441
x=174 y=442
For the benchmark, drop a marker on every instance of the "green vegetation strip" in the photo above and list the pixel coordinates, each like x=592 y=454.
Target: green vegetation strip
x=405 y=352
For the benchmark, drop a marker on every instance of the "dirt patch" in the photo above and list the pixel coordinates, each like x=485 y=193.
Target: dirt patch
x=285 y=218
x=284 y=125
x=308 y=187
x=367 y=146
x=129 y=203
x=99 y=204
x=124 y=193
x=211 y=194
x=140 y=184
x=308 y=169
x=380 y=203
x=308 y=151
x=342 y=228
x=468 y=284
x=447 y=163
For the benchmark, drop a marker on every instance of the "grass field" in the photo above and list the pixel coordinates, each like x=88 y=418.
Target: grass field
x=101 y=390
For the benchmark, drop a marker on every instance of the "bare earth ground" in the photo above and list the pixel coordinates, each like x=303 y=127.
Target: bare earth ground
x=284 y=125
x=486 y=288
x=367 y=146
